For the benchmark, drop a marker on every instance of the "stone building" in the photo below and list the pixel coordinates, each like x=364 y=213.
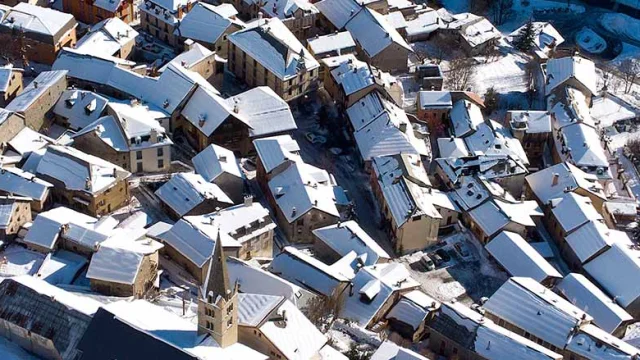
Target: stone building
x=11 y=124
x=11 y=84
x=534 y=130
x=14 y=212
x=45 y=31
x=251 y=59
x=299 y=16
x=14 y=181
x=81 y=181
x=161 y=18
x=35 y=103
x=91 y=12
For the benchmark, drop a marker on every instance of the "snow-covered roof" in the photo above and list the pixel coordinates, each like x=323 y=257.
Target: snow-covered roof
x=590 y=239
x=616 y=271
x=581 y=292
x=479 y=32
x=573 y=210
x=82 y=304
x=38 y=87
x=37 y=19
x=592 y=342
x=184 y=191
x=372 y=287
x=396 y=19
x=338 y=12
x=7 y=206
x=236 y=224
x=215 y=160
x=274 y=151
x=519 y=258
x=190 y=58
x=465 y=117
x=530 y=306
x=303 y=187
x=263 y=110
x=193 y=243
x=254 y=280
x=382 y=129
x=331 y=42
x=114 y=264
x=491 y=138
x=413 y=308
x=434 y=100
x=532 y=122
x=177 y=331
x=560 y=70
x=107 y=129
x=80 y=107
x=489 y=218
x=27 y=141
x=273 y=45
x=61 y=267
x=287 y=9
x=77 y=170
x=310 y=273
x=206 y=23
x=107 y=37
x=295 y=337
x=206 y=110
x=452 y=148
x=74 y=226
x=374 y=33
x=567 y=178
x=349 y=236
x=166 y=92
x=391 y=351
x=483 y=337
x=609 y=109
x=545 y=35
x=425 y=23
x=353 y=75
x=18 y=182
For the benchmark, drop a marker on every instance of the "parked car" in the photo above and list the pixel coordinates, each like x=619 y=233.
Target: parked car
x=426 y=261
x=462 y=249
x=444 y=255
x=315 y=139
x=437 y=260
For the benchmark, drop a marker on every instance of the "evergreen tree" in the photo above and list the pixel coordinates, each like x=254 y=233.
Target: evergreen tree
x=526 y=38
x=491 y=99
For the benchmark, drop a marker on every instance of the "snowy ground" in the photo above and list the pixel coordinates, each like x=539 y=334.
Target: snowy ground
x=590 y=41
x=464 y=279
x=621 y=24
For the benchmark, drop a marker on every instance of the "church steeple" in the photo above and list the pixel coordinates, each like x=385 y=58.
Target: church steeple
x=218 y=301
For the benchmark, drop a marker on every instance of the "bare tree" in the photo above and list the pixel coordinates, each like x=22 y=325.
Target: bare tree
x=15 y=47
x=323 y=311
x=479 y=6
x=461 y=73
x=629 y=71
x=440 y=48
x=501 y=10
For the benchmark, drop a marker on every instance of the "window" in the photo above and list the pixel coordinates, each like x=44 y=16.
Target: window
x=138 y=155
x=160 y=164
x=160 y=152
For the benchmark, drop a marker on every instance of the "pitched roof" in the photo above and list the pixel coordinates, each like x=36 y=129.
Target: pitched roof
x=466 y=116
x=537 y=310
x=581 y=292
x=572 y=210
x=185 y=191
x=555 y=180
x=590 y=239
x=108 y=36
x=206 y=23
x=331 y=42
x=21 y=183
x=615 y=271
x=37 y=88
x=274 y=47
x=518 y=257
x=114 y=264
x=349 y=236
x=560 y=70
x=263 y=110
x=274 y=151
x=391 y=351
x=80 y=107
x=215 y=160
x=532 y=122
x=374 y=33
x=37 y=19
x=338 y=12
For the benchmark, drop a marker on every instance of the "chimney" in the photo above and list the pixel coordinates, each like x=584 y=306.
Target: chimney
x=293 y=211
x=248 y=200
x=222 y=158
x=115 y=173
x=35 y=84
x=87 y=183
x=403 y=127
x=284 y=317
x=555 y=179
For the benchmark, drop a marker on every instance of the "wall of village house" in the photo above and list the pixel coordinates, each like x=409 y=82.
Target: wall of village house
x=258 y=246
x=91 y=143
x=302 y=25
x=301 y=230
x=254 y=74
x=393 y=58
x=29 y=340
x=11 y=127
x=81 y=249
x=158 y=28
x=13 y=88
x=449 y=217
x=43 y=52
x=514 y=184
x=88 y=13
x=232 y=185
x=513 y=328
x=207 y=67
x=442 y=345
x=20 y=216
x=199 y=273
x=417 y=233
x=142 y=283
x=253 y=338
x=435 y=118
x=40 y=111
x=112 y=198
x=150 y=160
